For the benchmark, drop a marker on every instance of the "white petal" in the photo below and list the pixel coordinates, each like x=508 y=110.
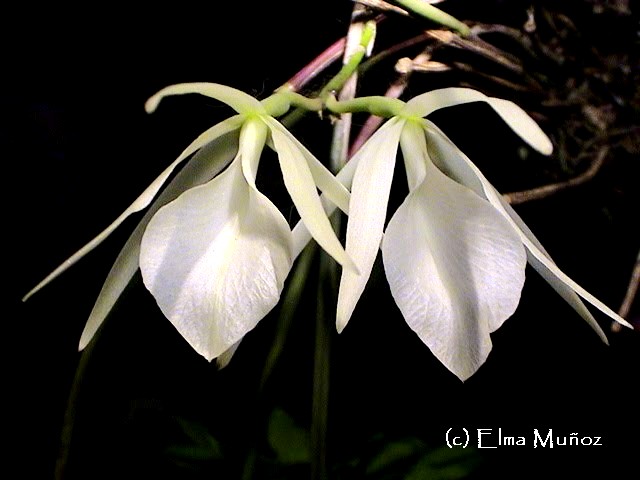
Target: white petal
x=457 y=165
x=414 y=151
x=450 y=159
x=302 y=188
x=300 y=234
x=519 y=121
x=323 y=178
x=367 y=212
x=143 y=200
x=202 y=167
x=566 y=287
x=216 y=259
x=455 y=268
x=236 y=99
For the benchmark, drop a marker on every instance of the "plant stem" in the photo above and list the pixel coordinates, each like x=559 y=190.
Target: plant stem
x=316 y=66
x=353 y=58
x=426 y=10
x=71 y=409
x=359 y=41
x=321 y=369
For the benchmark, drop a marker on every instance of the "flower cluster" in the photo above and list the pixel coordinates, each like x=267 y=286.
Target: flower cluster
x=215 y=252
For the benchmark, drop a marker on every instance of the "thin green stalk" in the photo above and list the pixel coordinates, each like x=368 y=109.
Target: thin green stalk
x=377 y=105
x=316 y=66
x=355 y=58
x=424 y=9
x=346 y=79
x=69 y=421
x=321 y=368
x=288 y=310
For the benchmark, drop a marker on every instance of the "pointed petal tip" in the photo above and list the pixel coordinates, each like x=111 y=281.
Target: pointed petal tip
x=82 y=344
x=342 y=316
x=207 y=354
x=53 y=275
x=465 y=373
x=623 y=322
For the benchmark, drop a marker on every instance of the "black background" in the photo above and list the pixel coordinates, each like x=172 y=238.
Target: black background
x=77 y=146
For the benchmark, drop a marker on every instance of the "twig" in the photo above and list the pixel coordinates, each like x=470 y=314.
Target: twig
x=632 y=291
x=382 y=6
x=492 y=78
x=547 y=190
x=480 y=47
x=523 y=40
x=317 y=65
x=342 y=126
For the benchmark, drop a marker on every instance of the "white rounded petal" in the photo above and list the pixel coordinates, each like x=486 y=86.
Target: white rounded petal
x=367 y=213
x=215 y=259
x=201 y=167
x=455 y=268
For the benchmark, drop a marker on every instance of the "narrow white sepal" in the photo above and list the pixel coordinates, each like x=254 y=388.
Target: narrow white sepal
x=414 y=151
x=323 y=178
x=142 y=201
x=565 y=286
x=302 y=189
x=517 y=119
x=300 y=233
x=236 y=99
x=455 y=268
x=457 y=165
x=367 y=213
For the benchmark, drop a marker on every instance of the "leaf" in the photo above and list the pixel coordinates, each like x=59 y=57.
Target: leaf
x=290 y=442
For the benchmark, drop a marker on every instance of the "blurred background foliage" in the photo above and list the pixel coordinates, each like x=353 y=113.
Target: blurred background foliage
x=78 y=147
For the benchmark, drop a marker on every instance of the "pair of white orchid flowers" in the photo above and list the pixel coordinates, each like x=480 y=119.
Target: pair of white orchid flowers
x=215 y=252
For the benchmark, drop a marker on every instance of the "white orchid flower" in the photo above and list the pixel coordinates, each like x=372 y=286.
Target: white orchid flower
x=454 y=252
x=213 y=250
